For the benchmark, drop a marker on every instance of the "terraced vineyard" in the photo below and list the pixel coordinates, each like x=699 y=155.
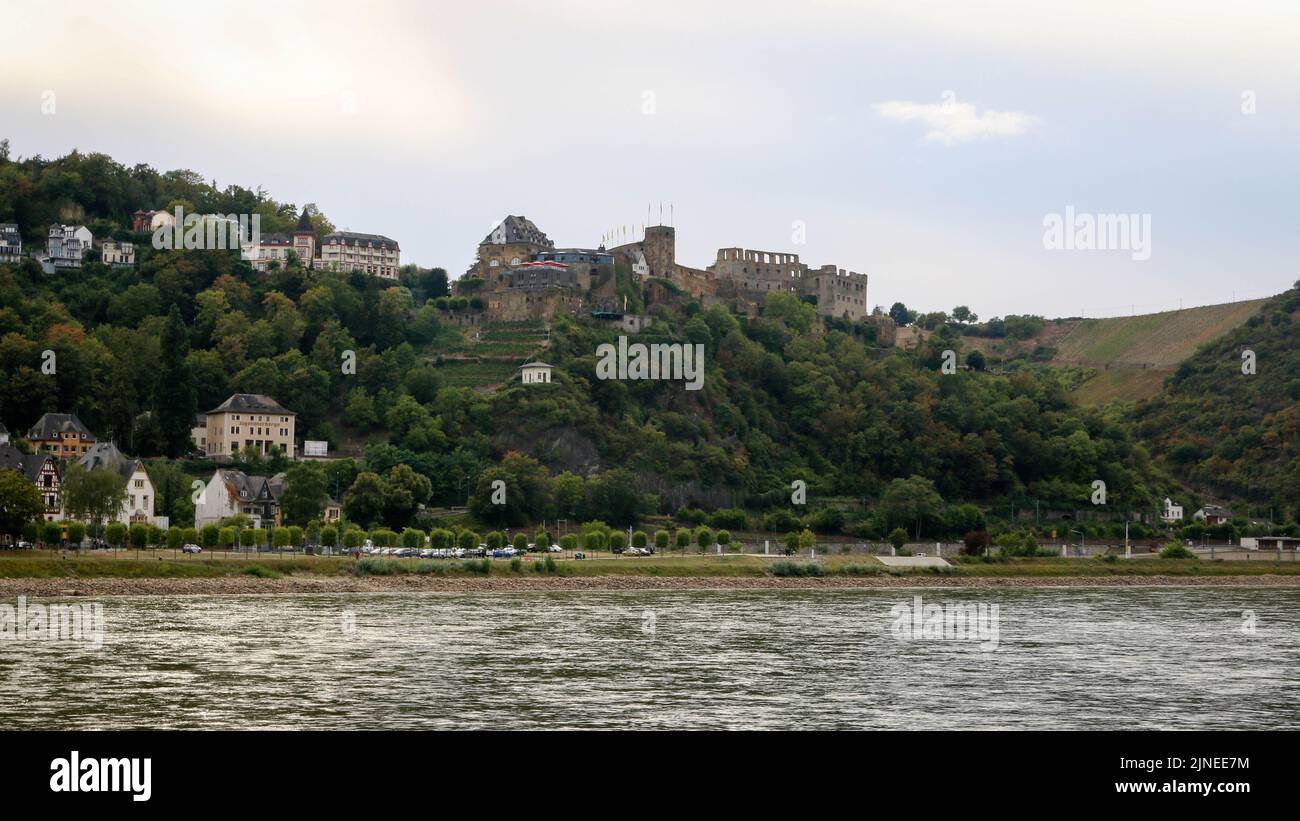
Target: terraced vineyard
x=471 y=373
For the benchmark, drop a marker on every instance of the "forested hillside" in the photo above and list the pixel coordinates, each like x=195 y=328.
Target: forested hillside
x=1233 y=434
x=140 y=349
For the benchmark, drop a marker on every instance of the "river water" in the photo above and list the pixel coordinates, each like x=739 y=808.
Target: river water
x=1074 y=658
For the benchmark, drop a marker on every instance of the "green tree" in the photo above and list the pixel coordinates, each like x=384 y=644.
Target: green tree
x=305 y=492
x=661 y=540
x=52 y=534
x=705 y=538
x=20 y=502
x=366 y=499
x=115 y=534
x=911 y=501
x=93 y=495
x=174 y=396
x=898 y=537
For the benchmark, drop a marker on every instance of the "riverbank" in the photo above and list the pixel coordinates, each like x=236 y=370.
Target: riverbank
x=286 y=585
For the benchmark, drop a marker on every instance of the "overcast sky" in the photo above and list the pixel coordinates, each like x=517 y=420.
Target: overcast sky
x=922 y=143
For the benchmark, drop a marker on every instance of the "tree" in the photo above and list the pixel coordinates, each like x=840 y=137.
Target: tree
x=93 y=495
x=704 y=538
x=366 y=499
x=639 y=539
x=542 y=539
x=898 y=538
x=76 y=532
x=975 y=360
x=467 y=540
x=174 y=397
x=20 y=502
x=305 y=492
x=329 y=536
x=280 y=537
x=911 y=501
x=412 y=537
x=683 y=538
x=404 y=492
x=115 y=534
x=51 y=533
x=175 y=537
x=661 y=539
x=963 y=315
x=210 y=536
x=724 y=537
x=519 y=542
x=899 y=313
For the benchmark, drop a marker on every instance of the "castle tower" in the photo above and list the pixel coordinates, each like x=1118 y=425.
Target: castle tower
x=304 y=240
x=660 y=246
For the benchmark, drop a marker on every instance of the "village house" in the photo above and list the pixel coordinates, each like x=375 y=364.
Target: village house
x=372 y=254
x=42 y=470
x=117 y=254
x=244 y=422
x=1172 y=512
x=535 y=373
x=67 y=245
x=234 y=493
x=62 y=435
x=1212 y=515
x=150 y=221
x=138 y=506
x=11 y=242
x=263 y=250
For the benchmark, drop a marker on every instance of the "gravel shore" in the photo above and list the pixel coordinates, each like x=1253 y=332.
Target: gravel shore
x=240 y=585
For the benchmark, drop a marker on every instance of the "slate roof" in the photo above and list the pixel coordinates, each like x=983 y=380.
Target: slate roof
x=106 y=455
x=355 y=238
x=251 y=403
x=514 y=230
x=254 y=488
x=30 y=465
x=51 y=424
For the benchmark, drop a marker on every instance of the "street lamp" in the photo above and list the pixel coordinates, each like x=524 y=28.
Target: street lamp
x=1083 y=542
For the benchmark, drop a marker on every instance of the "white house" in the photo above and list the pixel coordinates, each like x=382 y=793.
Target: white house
x=1212 y=515
x=67 y=244
x=138 y=506
x=1172 y=512
x=533 y=373
x=233 y=492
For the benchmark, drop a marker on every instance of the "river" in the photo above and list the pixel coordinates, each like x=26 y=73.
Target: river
x=1073 y=658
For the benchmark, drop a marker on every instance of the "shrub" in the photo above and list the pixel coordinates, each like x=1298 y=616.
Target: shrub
x=797 y=569
x=976 y=541
x=859 y=570
x=261 y=571
x=897 y=537
x=516 y=564
x=1174 y=550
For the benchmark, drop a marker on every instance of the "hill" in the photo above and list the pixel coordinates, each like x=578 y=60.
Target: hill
x=1230 y=434
x=1121 y=358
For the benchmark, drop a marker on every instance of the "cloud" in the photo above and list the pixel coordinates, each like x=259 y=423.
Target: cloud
x=951 y=122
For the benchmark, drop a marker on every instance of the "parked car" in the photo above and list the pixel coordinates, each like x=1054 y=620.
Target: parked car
x=555 y=548
x=191 y=548
x=579 y=555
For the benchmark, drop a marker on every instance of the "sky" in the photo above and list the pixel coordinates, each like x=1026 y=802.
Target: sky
x=930 y=145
